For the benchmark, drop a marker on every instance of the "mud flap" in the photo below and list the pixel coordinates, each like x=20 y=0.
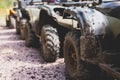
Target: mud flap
x=88 y=48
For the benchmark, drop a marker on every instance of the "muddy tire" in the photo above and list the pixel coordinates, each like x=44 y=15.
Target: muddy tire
x=50 y=43
x=12 y=22
x=76 y=68
x=30 y=39
x=17 y=26
x=22 y=28
x=7 y=21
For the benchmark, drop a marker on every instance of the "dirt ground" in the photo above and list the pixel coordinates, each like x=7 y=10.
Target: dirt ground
x=21 y=63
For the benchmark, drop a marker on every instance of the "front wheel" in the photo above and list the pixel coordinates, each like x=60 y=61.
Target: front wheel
x=76 y=68
x=50 y=43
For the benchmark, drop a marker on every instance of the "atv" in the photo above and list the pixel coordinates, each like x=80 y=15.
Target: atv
x=88 y=39
x=10 y=16
x=23 y=16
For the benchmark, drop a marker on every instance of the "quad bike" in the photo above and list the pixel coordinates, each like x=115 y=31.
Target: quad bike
x=95 y=47
x=10 y=17
x=88 y=39
x=23 y=16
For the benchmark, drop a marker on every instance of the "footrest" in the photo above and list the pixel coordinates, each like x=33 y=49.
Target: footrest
x=111 y=69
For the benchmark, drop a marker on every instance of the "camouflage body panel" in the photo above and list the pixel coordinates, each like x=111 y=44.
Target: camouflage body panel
x=90 y=18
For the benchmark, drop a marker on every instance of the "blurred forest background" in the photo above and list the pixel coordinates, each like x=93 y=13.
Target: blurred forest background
x=5 y=4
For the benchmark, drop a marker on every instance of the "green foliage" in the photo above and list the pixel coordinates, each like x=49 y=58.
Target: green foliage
x=6 y=3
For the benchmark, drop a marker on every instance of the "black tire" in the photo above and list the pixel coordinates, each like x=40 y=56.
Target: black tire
x=30 y=39
x=50 y=43
x=7 y=21
x=22 y=28
x=17 y=26
x=76 y=69
x=12 y=22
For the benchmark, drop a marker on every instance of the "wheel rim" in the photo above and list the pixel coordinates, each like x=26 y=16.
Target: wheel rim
x=72 y=58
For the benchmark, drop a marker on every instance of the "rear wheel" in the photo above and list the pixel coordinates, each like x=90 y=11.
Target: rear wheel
x=12 y=22
x=22 y=28
x=30 y=38
x=76 y=68
x=17 y=26
x=7 y=21
x=49 y=43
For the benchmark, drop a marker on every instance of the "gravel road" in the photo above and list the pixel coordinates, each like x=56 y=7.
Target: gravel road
x=21 y=63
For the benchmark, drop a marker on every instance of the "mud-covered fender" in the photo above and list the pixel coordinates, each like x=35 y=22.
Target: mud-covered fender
x=33 y=13
x=101 y=24
x=50 y=9
x=97 y=22
x=47 y=9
